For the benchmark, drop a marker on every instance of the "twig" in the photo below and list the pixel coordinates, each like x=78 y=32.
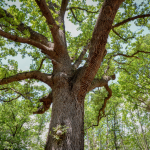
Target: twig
x=82 y=9
x=41 y=63
x=121 y=36
x=11 y=99
x=130 y=19
x=121 y=63
x=75 y=16
x=20 y=94
x=80 y=58
x=124 y=70
x=126 y=55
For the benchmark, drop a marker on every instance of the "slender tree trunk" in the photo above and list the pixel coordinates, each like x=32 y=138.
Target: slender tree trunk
x=136 y=137
x=93 y=146
x=68 y=113
x=88 y=141
x=114 y=130
x=107 y=140
x=100 y=148
x=122 y=142
x=144 y=137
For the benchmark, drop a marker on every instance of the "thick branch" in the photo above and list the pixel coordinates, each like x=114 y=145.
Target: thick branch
x=46 y=78
x=98 y=43
x=101 y=82
x=52 y=6
x=47 y=14
x=50 y=21
x=47 y=100
x=80 y=58
x=130 y=19
x=64 y=4
x=21 y=27
x=44 y=49
x=61 y=14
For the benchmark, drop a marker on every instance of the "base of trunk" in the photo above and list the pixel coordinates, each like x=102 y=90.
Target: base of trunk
x=66 y=131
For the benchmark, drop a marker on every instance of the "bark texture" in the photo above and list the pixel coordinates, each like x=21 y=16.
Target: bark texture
x=66 y=112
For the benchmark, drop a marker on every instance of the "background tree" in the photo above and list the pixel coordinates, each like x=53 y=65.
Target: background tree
x=126 y=125
x=40 y=26
x=19 y=130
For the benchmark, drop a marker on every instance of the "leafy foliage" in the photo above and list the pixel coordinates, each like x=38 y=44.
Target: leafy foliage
x=18 y=129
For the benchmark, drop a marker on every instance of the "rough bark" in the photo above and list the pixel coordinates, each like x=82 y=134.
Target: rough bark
x=68 y=112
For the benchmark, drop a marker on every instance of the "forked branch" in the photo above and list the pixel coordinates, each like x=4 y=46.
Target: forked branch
x=129 y=56
x=15 y=91
x=80 y=58
x=10 y=100
x=121 y=36
x=119 y=54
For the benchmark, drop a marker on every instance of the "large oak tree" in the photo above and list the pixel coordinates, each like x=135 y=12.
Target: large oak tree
x=78 y=64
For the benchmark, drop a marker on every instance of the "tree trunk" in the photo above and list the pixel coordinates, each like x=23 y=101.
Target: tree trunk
x=114 y=130
x=68 y=113
x=88 y=141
